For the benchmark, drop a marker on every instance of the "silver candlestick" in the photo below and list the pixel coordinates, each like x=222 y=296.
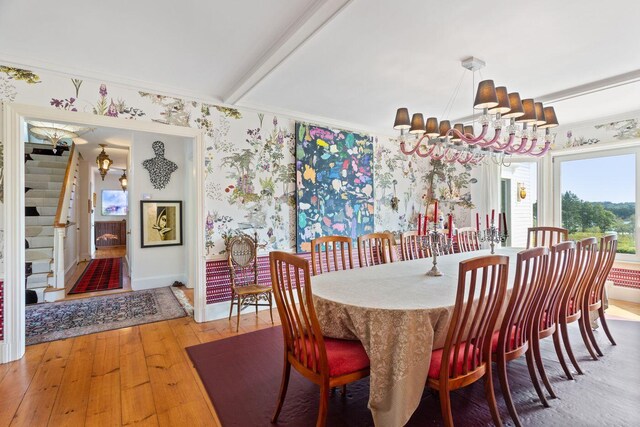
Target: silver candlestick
x=432 y=242
x=493 y=236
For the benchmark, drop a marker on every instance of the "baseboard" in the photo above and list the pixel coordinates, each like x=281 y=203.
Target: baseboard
x=157 y=281
x=4 y=357
x=73 y=265
x=622 y=293
x=220 y=310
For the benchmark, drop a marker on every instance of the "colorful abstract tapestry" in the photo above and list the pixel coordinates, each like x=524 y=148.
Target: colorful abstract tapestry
x=334 y=184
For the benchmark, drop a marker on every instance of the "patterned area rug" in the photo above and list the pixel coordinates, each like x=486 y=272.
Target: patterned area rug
x=65 y=319
x=100 y=275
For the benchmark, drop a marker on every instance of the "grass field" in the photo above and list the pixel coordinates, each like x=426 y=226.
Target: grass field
x=626 y=242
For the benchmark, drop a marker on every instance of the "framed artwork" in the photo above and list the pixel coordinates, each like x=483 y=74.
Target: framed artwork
x=160 y=223
x=114 y=202
x=334 y=184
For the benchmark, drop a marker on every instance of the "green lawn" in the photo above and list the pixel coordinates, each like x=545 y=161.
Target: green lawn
x=626 y=242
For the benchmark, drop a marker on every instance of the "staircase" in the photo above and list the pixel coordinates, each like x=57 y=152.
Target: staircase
x=44 y=176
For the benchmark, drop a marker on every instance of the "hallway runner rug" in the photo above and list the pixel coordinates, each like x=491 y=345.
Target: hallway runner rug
x=242 y=377
x=102 y=274
x=66 y=319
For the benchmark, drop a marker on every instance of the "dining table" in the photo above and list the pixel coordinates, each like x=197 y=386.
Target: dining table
x=400 y=314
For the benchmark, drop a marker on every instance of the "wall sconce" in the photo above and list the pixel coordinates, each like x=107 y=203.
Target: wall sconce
x=104 y=162
x=123 y=180
x=522 y=191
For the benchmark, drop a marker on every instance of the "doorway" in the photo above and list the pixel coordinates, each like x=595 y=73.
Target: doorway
x=188 y=140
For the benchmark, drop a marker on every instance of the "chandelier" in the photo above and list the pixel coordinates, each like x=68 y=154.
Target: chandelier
x=516 y=126
x=104 y=162
x=54 y=132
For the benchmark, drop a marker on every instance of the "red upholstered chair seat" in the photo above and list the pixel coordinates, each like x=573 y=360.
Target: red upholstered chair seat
x=343 y=356
x=496 y=337
x=436 y=360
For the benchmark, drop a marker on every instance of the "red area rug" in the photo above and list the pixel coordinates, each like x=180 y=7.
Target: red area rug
x=100 y=275
x=242 y=377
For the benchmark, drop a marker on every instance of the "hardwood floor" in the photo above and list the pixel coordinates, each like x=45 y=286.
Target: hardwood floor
x=140 y=375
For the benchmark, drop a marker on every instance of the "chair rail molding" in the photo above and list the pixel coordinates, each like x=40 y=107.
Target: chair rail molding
x=11 y=127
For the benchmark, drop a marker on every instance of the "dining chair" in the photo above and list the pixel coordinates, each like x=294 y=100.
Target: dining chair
x=546 y=236
x=327 y=362
x=331 y=253
x=570 y=309
x=545 y=323
x=594 y=291
x=468 y=239
x=482 y=284
x=513 y=338
x=242 y=258
x=412 y=247
x=376 y=248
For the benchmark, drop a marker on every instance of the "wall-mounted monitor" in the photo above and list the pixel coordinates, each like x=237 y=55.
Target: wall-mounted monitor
x=115 y=202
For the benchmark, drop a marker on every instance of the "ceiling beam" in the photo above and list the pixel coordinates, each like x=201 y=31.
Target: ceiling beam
x=314 y=19
x=580 y=90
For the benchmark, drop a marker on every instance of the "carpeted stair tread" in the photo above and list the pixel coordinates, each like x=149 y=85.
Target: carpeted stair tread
x=38 y=254
x=38 y=230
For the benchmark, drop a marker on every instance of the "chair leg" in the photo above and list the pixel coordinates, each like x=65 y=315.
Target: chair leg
x=506 y=392
x=583 y=322
x=534 y=377
x=286 y=371
x=271 y=307
x=233 y=298
x=557 y=345
x=491 y=397
x=445 y=406
x=324 y=404
x=567 y=346
x=344 y=390
x=541 y=369
x=605 y=326
x=240 y=300
x=590 y=334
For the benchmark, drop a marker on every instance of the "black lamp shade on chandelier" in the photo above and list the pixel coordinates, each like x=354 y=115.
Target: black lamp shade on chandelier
x=104 y=162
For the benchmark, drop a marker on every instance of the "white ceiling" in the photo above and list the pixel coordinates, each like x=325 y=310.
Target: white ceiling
x=350 y=62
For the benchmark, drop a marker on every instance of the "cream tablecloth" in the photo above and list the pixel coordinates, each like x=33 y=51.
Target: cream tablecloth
x=399 y=314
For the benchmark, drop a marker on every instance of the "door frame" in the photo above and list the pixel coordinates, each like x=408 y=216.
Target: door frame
x=11 y=129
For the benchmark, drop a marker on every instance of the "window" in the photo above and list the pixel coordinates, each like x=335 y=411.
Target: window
x=598 y=193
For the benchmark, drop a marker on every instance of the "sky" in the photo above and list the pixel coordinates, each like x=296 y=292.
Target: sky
x=602 y=179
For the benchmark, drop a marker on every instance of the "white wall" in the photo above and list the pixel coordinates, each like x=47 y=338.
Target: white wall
x=154 y=267
x=83 y=197
x=521 y=210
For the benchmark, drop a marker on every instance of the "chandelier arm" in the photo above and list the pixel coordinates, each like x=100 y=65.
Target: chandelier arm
x=534 y=143
x=467 y=139
x=427 y=153
x=507 y=145
x=543 y=151
x=470 y=157
x=493 y=140
x=440 y=156
x=453 y=158
x=517 y=149
x=475 y=161
x=408 y=152
x=524 y=149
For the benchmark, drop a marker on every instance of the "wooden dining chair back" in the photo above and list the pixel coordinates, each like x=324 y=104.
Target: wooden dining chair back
x=570 y=308
x=468 y=239
x=545 y=321
x=512 y=341
x=331 y=253
x=242 y=258
x=594 y=297
x=376 y=248
x=412 y=246
x=546 y=236
x=482 y=284
x=325 y=361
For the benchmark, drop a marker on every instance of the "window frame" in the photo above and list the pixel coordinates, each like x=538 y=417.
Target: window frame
x=602 y=150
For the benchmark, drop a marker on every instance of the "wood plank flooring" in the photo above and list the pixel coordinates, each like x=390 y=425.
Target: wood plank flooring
x=139 y=376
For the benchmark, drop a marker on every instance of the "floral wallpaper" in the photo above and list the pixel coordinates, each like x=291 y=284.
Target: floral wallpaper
x=250 y=157
x=603 y=132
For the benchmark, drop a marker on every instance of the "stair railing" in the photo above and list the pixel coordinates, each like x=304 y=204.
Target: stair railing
x=60 y=221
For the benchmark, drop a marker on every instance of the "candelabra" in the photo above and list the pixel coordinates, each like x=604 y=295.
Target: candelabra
x=493 y=235
x=435 y=242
